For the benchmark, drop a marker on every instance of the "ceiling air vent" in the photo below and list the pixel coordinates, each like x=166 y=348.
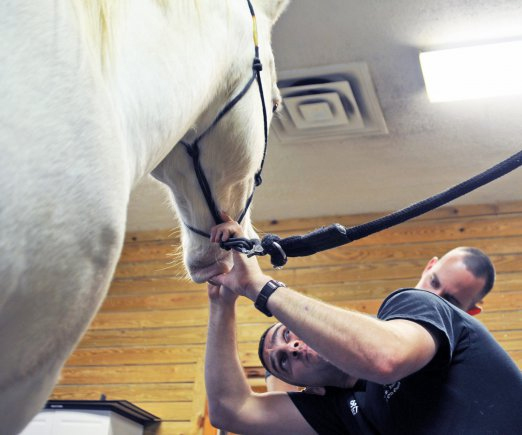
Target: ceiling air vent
x=332 y=102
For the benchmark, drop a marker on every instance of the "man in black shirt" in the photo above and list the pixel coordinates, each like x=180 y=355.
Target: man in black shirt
x=470 y=386
x=423 y=366
x=463 y=276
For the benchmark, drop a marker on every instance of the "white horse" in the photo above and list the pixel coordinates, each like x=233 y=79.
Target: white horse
x=94 y=95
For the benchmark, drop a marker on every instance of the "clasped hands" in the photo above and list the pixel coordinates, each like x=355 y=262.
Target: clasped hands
x=245 y=278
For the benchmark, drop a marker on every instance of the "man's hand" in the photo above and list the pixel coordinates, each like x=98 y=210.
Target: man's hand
x=221 y=295
x=246 y=277
x=229 y=228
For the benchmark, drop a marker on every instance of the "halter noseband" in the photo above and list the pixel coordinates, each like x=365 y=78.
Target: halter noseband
x=193 y=148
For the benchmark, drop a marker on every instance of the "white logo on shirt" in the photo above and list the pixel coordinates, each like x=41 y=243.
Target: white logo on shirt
x=354 y=407
x=391 y=389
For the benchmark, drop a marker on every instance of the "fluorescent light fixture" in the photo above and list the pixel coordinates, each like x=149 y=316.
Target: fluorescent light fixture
x=473 y=72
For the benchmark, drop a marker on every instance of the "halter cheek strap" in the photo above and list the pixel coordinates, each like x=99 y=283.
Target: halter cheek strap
x=193 y=148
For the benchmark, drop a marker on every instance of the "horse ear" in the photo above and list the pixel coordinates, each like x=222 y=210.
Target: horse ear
x=272 y=8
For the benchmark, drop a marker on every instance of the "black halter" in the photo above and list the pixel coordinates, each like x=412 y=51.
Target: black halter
x=193 y=148
x=334 y=235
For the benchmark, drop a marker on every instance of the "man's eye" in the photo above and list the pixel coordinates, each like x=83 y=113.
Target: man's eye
x=286 y=335
x=283 y=362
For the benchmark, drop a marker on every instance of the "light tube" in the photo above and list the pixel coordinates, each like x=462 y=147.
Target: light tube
x=473 y=72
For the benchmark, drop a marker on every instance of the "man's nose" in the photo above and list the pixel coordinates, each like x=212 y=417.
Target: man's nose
x=296 y=347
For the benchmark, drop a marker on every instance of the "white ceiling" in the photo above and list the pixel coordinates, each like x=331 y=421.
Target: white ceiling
x=429 y=148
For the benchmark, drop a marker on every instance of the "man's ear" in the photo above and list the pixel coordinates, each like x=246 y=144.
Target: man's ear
x=474 y=310
x=431 y=263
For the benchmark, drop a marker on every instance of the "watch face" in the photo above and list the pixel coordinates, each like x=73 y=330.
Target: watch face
x=262 y=298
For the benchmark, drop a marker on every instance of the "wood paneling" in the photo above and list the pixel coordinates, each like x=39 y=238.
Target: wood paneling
x=168 y=392
x=146 y=344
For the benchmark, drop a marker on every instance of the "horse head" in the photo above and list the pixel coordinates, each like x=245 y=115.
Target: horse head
x=231 y=151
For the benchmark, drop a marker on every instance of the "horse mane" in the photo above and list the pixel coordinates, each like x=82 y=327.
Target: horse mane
x=96 y=19
x=100 y=21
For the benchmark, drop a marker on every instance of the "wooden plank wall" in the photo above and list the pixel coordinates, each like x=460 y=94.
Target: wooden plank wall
x=146 y=344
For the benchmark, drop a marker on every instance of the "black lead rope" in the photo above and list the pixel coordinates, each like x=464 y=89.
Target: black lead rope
x=336 y=235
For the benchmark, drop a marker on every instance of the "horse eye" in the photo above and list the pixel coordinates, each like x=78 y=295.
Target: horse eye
x=277 y=104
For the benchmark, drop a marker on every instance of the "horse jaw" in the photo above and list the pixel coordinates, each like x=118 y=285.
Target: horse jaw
x=230 y=186
x=209 y=262
x=204 y=260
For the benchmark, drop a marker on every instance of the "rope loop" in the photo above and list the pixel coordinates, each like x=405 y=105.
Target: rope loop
x=246 y=246
x=271 y=246
x=257 y=65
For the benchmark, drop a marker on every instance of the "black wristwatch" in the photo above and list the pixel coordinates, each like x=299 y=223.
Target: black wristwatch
x=262 y=298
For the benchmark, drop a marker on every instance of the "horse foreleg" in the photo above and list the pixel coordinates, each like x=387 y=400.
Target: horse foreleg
x=64 y=189
x=55 y=269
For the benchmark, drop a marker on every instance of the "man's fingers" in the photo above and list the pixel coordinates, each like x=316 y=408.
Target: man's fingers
x=213 y=290
x=224 y=231
x=225 y=217
x=215 y=233
x=225 y=234
x=216 y=280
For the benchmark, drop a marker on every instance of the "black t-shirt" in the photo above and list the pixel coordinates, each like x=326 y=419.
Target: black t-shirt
x=471 y=386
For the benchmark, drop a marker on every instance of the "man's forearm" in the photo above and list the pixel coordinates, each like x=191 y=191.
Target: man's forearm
x=226 y=384
x=358 y=344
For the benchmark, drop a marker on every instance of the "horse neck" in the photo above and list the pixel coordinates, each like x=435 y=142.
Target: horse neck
x=165 y=67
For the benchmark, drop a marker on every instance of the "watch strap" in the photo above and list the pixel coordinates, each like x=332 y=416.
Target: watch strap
x=262 y=298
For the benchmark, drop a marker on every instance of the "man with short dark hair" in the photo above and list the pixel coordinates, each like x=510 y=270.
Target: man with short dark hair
x=463 y=276
x=422 y=366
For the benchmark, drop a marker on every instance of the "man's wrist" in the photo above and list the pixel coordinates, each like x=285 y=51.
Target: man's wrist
x=220 y=306
x=262 y=298
x=254 y=287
